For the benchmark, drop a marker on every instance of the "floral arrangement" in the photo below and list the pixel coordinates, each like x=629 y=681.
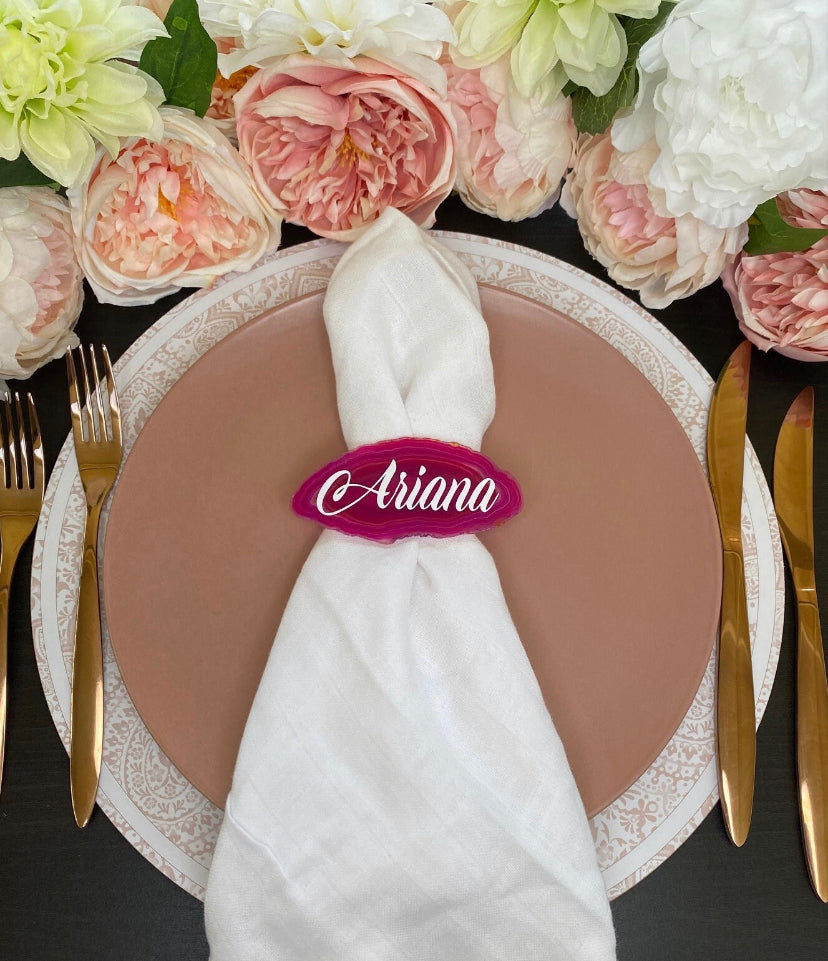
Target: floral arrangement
x=149 y=146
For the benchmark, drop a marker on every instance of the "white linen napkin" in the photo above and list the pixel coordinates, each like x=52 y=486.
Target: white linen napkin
x=401 y=792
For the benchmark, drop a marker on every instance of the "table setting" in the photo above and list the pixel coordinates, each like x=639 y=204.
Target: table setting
x=434 y=573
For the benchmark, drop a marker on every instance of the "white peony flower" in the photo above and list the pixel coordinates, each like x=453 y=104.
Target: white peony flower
x=62 y=86
x=735 y=95
x=406 y=33
x=41 y=289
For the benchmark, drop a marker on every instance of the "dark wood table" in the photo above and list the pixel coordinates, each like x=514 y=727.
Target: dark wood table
x=71 y=895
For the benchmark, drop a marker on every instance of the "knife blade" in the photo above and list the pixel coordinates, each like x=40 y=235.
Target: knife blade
x=793 y=487
x=735 y=710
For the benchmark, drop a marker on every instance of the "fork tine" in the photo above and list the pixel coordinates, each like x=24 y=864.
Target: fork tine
x=10 y=440
x=3 y=437
x=103 y=434
x=37 y=445
x=87 y=396
x=23 y=444
x=74 y=399
x=114 y=406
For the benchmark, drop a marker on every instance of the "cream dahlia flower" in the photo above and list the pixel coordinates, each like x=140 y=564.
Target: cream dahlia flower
x=62 y=88
x=736 y=96
x=551 y=41
x=406 y=33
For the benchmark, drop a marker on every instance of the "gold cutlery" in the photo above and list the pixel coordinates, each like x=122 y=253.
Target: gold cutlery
x=793 y=488
x=735 y=710
x=21 y=497
x=96 y=428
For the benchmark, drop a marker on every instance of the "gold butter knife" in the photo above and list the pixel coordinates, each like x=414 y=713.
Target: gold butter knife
x=735 y=710
x=793 y=486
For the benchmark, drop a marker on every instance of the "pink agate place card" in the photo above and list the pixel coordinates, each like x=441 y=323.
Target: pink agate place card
x=409 y=487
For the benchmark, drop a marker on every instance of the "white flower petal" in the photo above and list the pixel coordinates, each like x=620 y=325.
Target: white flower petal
x=9 y=136
x=59 y=145
x=735 y=96
x=409 y=33
x=600 y=78
x=531 y=60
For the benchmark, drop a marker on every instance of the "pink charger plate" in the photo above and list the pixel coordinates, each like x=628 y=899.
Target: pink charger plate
x=612 y=571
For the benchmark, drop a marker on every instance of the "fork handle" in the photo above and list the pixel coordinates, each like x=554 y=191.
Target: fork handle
x=87 y=682
x=9 y=549
x=4 y=664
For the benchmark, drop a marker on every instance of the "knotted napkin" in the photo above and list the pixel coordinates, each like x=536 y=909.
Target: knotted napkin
x=400 y=791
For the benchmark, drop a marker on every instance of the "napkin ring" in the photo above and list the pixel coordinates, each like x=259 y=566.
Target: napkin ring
x=409 y=487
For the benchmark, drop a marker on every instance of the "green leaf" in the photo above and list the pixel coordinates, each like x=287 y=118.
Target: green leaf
x=594 y=114
x=185 y=62
x=23 y=173
x=769 y=234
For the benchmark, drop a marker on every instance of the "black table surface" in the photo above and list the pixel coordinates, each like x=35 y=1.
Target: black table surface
x=72 y=895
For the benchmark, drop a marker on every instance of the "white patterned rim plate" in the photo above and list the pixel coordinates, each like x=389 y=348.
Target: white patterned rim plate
x=159 y=812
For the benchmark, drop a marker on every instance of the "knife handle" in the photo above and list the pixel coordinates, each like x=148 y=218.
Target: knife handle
x=735 y=707
x=812 y=745
x=87 y=682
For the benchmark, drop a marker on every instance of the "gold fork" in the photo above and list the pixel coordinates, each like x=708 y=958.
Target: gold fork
x=96 y=428
x=21 y=496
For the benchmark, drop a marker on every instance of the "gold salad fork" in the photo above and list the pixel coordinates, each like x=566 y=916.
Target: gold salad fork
x=21 y=496
x=96 y=428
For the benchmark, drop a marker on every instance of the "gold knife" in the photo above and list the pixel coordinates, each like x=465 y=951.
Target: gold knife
x=735 y=710
x=793 y=488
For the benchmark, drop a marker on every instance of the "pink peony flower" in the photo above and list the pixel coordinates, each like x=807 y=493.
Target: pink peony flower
x=781 y=300
x=625 y=225
x=805 y=208
x=512 y=152
x=41 y=285
x=331 y=147
x=222 y=109
x=177 y=213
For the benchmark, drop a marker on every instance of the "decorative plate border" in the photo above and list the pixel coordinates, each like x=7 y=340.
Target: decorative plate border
x=159 y=812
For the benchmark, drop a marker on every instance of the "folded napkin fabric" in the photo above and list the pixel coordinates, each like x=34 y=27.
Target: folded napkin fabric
x=400 y=791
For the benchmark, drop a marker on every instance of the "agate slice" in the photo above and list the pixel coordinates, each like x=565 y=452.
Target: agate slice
x=409 y=487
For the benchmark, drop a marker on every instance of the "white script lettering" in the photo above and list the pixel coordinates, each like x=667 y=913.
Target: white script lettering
x=340 y=493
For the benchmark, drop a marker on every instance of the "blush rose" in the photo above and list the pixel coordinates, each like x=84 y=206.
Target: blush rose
x=331 y=147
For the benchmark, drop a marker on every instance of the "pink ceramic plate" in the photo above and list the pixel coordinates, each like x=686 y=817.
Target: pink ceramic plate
x=611 y=571
x=155 y=806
